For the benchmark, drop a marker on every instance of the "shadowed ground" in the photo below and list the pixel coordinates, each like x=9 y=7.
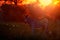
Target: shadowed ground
x=22 y=31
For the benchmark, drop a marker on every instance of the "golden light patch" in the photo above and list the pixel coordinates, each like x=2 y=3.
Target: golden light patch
x=41 y=3
x=55 y=2
x=45 y=3
x=28 y=1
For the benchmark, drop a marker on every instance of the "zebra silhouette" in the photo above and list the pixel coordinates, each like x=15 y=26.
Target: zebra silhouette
x=37 y=24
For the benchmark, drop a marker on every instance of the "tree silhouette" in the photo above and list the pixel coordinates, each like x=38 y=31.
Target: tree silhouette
x=15 y=1
x=5 y=1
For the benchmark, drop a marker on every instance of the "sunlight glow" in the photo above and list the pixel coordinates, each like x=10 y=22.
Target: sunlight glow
x=45 y=3
x=41 y=3
x=28 y=1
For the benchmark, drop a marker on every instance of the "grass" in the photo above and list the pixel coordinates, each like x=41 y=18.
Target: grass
x=22 y=31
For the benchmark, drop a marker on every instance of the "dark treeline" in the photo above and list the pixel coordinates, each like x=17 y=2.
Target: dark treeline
x=12 y=13
x=15 y=1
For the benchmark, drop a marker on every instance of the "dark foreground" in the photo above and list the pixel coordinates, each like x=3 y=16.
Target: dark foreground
x=21 y=31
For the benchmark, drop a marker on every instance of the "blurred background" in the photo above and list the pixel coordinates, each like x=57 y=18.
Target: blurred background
x=29 y=19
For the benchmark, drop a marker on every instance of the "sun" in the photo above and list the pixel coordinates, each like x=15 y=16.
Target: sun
x=45 y=3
